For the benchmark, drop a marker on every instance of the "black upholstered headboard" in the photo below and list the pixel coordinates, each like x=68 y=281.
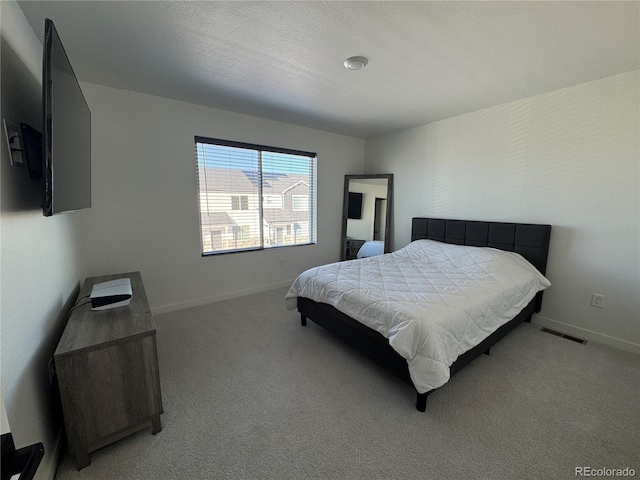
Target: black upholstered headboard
x=529 y=240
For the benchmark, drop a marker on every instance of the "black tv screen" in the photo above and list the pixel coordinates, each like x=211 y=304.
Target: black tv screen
x=66 y=139
x=355 y=206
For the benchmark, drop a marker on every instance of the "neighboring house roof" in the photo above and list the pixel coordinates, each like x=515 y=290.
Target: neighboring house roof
x=281 y=184
x=244 y=182
x=297 y=184
x=270 y=216
x=225 y=180
x=218 y=218
x=267 y=177
x=284 y=216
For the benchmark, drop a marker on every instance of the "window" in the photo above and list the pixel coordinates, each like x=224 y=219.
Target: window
x=254 y=197
x=240 y=202
x=300 y=202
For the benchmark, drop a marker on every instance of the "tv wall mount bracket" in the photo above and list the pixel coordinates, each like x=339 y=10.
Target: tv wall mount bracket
x=14 y=141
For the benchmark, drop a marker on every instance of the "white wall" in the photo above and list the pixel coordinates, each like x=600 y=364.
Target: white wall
x=362 y=229
x=570 y=158
x=400 y=153
x=39 y=262
x=145 y=206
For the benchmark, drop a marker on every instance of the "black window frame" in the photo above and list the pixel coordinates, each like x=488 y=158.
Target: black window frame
x=313 y=192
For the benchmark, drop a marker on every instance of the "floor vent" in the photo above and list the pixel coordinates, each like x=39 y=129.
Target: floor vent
x=563 y=335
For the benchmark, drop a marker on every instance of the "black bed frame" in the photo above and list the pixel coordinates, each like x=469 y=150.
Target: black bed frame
x=529 y=240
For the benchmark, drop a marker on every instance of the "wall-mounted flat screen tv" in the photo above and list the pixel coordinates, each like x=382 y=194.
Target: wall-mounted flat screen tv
x=355 y=206
x=66 y=139
x=32 y=145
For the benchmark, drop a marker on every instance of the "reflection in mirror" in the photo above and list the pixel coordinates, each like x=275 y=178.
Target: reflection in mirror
x=366 y=222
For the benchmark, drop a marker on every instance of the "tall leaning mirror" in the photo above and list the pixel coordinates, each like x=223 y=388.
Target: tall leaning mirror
x=366 y=217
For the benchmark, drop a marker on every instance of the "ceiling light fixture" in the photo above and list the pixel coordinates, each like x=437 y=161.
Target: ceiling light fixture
x=355 y=63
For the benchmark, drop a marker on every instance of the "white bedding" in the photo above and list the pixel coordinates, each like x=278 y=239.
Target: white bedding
x=433 y=301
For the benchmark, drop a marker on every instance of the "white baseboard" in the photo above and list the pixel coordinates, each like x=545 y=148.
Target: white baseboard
x=586 y=334
x=216 y=298
x=537 y=319
x=49 y=465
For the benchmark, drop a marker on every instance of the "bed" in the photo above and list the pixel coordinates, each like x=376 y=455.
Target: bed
x=388 y=346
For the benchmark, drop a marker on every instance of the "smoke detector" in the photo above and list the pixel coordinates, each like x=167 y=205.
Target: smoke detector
x=355 y=63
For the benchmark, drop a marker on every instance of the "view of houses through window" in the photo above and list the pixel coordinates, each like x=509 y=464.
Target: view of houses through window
x=253 y=197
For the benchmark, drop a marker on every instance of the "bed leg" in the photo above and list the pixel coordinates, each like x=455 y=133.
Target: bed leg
x=303 y=320
x=487 y=352
x=421 y=401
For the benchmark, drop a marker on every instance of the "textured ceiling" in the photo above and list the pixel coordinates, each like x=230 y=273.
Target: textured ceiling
x=283 y=60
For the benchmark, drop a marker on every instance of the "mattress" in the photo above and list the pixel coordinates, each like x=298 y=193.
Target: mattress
x=433 y=301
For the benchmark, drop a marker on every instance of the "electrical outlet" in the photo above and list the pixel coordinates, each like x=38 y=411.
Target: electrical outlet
x=597 y=300
x=282 y=262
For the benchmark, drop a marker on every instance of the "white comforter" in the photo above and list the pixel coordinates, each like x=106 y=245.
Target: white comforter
x=433 y=301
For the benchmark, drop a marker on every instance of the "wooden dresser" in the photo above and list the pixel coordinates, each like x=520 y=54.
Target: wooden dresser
x=107 y=367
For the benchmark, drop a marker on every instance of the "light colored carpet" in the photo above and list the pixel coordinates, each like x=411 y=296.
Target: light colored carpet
x=250 y=394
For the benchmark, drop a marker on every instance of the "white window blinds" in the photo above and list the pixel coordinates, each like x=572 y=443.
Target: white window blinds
x=254 y=197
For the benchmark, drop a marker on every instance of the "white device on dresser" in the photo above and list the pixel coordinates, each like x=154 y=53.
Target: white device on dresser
x=111 y=294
